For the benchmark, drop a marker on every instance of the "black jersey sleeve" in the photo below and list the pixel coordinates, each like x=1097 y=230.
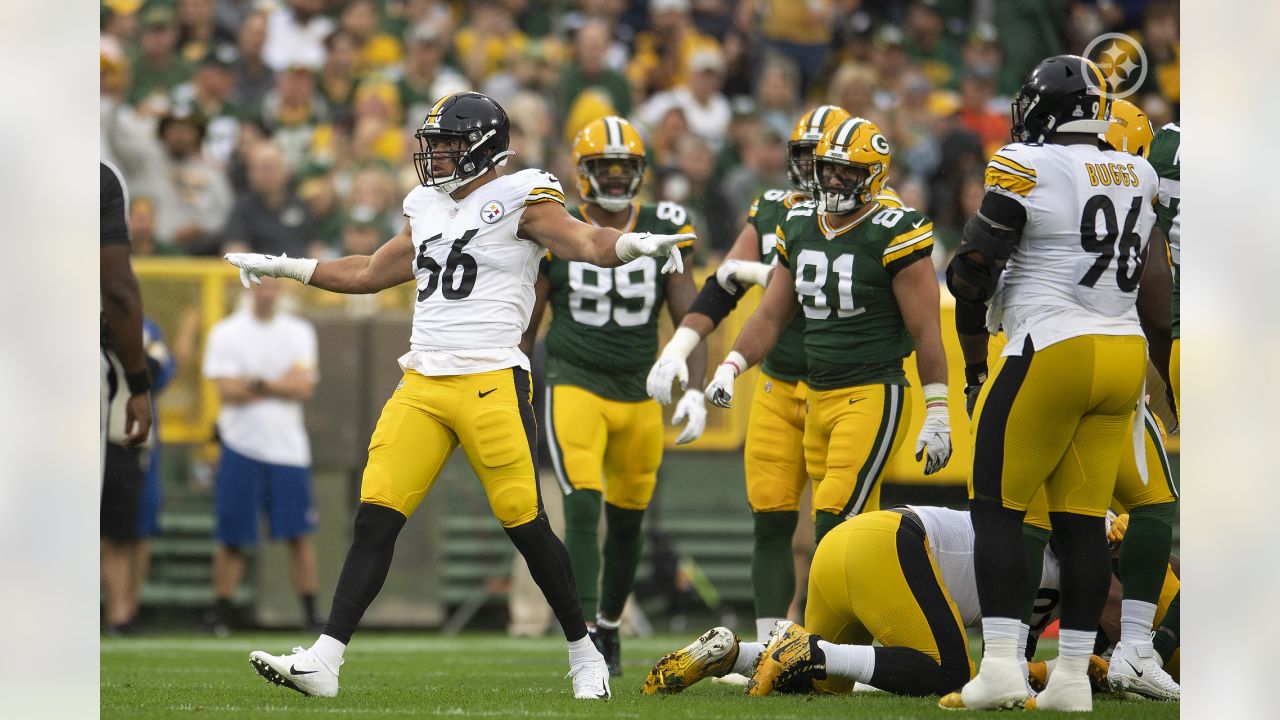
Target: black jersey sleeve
x=114 y=206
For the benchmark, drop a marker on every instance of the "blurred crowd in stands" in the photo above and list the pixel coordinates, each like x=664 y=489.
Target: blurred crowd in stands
x=287 y=125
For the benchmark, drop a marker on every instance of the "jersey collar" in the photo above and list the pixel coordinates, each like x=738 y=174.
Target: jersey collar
x=830 y=233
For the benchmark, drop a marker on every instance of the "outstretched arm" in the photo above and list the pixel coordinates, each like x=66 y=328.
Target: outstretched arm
x=388 y=266
x=567 y=237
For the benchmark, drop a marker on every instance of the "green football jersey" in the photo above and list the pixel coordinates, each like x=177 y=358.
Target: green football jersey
x=854 y=332
x=604 y=321
x=786 y=361
x=1165 y=157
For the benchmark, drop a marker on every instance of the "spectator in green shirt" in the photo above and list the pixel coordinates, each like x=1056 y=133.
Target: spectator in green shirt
x=157 y=69
x=588 y=70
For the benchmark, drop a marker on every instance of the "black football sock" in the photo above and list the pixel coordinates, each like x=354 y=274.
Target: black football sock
x=999 y=559
x=907 y=671
x=581 y=541
x=365 y=569
x=623 y=542
x=551 y=570
x=1086 y=569
x=1144 y=554
x=773 y=571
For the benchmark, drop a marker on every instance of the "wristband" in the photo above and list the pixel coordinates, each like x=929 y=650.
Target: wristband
x=755 y=273
x=681 y=344
x=299 y=269
x=138 y=382
x=738 y=362
x=975 y=374
x=935 y=398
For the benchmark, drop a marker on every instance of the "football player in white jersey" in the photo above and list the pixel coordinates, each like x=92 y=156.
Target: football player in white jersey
x=1057 y=247
x=472 y=242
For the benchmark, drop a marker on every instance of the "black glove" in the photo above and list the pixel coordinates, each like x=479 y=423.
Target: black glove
x=974 y=376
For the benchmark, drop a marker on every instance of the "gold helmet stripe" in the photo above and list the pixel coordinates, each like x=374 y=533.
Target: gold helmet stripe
x=434 y=113
x=1102 y=90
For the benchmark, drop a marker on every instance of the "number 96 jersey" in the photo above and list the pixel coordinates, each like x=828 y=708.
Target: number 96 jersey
x=604 y=321
x=474 y=274
x=1076 y=270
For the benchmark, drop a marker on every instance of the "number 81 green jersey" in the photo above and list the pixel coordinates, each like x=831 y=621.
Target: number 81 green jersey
x=854 y=333
x=604 y=321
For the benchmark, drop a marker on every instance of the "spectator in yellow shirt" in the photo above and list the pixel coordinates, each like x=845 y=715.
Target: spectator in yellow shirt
x=486 y=43
x=662 y=55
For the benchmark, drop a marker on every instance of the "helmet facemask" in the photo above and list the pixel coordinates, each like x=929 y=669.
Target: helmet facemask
x=467 y=163
x=847 y=185
x=614 y=179
x=800 y=164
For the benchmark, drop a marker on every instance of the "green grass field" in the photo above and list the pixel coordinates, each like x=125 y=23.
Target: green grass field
x=423 y=675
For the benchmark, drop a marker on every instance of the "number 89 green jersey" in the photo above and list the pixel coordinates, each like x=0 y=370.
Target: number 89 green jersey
x=604 y=321
x=854 y=333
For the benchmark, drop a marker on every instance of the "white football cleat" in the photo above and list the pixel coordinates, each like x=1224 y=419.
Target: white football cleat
x=1065 y=692
x=590 y=679
x=1136 y=670
x=302 y=671
x=999 y=685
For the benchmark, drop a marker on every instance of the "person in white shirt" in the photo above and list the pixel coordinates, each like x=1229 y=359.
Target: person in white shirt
x=263 y=361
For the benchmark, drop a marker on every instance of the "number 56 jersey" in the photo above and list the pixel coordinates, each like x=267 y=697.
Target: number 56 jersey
x=474 y=274
x=1076 y=270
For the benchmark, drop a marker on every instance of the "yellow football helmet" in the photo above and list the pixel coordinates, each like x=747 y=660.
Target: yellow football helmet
x=1130 y=129
x=804 y=138
x=850 y=165
x=609 y=156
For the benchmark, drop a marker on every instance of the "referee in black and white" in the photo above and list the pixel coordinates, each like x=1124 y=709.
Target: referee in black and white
x=121 y=314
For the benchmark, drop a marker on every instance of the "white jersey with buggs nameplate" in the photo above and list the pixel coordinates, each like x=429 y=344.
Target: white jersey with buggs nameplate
x=474 y=275
x=1076 y=270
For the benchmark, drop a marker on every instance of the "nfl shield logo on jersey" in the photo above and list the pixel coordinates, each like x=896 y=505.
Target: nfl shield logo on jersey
x=492 y=212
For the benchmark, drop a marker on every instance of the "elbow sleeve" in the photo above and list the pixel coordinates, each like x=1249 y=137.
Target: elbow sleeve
x=975 y=270
x=714 y=301
x=971 y=318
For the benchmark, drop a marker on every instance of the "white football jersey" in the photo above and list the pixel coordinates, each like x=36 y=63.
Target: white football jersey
x=474 y=274
x=950 y=536
x=1076 y=270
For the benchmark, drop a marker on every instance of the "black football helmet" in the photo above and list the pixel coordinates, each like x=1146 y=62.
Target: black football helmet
x=482 y=126
x=1064 y=93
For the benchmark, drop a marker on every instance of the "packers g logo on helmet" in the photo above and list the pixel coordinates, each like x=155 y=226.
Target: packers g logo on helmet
x=851 y=165
x=804 y=138
x=1130 y=129
x=609 y=156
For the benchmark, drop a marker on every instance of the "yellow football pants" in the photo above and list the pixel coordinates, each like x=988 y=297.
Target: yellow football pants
x=773 y=458
x=604 y=445
x=1131 y=490
x=1057 y=418
x=1175 y=374
x=849 y=436
x=490 y=414
x=874 y=577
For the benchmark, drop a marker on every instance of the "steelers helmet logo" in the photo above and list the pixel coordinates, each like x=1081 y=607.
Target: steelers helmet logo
x=880 y=144
x=492 y=212
x=1122 y=61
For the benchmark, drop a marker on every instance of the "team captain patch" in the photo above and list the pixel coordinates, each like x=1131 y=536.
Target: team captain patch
x=492 y=212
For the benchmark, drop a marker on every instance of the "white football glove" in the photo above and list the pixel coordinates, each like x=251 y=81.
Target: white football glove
x=671 y=365
x=934 y=442
x=720 y=391
x=633 y=245
x=737 y=275
x=692 y=411
x=255 y=266
x=664 y=372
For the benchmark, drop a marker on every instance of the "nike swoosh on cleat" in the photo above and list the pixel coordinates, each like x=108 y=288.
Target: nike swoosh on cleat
x=1136 y=671
x=486 y=392
x=293 y=670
